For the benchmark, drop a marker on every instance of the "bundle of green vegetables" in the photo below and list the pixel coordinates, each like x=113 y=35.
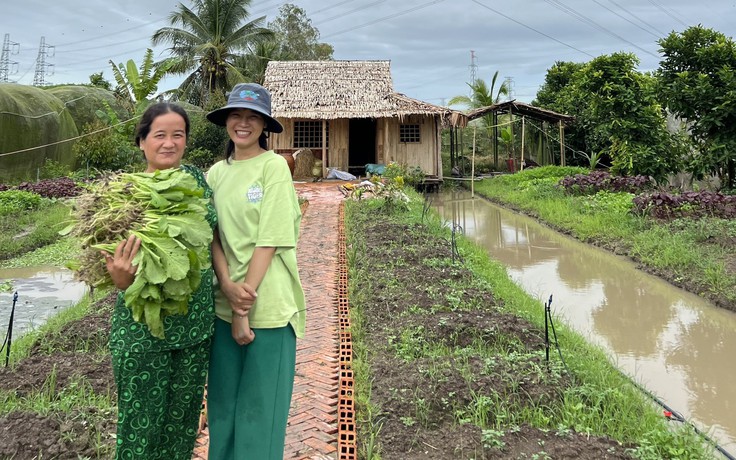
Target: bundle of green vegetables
x=166 y=210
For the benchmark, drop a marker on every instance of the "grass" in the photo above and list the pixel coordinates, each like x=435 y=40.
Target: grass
x=600 y=400
x=22 y=232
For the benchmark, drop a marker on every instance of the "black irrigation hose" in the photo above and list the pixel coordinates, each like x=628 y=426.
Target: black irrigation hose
x=548 y=315
x=670 y=413
x=676 y=416
x=426 y=206
x=455 y=251
x=9 y=335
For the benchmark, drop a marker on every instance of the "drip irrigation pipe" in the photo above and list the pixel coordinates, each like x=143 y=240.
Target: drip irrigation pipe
x=9 y=336
x=672 y=414
x=669 y=412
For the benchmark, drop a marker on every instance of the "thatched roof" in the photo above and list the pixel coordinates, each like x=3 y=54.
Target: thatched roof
x=521 y=108
x=342 y=89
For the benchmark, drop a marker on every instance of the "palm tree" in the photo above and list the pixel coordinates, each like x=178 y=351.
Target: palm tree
x=213 y=34
x=483 y=96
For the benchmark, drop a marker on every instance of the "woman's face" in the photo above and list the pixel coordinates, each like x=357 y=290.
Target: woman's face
x=164 y=145
x=244 y=127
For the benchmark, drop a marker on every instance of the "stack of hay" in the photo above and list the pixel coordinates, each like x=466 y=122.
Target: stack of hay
x=304 y=163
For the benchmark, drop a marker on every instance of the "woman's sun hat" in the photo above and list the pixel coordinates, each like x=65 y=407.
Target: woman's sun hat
x=247 y=96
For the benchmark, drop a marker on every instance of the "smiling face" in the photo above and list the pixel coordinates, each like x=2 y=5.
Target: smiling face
x=244 y=126
x=164 y=145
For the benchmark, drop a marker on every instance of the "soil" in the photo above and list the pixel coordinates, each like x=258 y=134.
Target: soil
x=420 y=399
x=57 y=366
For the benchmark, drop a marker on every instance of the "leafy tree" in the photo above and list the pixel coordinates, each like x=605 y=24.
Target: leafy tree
x=253 y=65
x=622 y=118
x=296 y=37
x=698 y=83
x=96 y=79
x=206 y=40
x=134 y=85
x=557 y=93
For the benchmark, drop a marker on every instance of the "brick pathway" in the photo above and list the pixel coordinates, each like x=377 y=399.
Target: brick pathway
x=312 y=431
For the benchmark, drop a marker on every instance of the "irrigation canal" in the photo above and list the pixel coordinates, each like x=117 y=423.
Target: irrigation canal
x=42 y=292
x=675 y=344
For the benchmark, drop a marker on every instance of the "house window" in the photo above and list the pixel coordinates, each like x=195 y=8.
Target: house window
x=409 y=134
x=308 y=134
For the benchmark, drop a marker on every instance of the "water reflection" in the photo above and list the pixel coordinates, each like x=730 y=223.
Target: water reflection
x=42 y=291
x=673 y=342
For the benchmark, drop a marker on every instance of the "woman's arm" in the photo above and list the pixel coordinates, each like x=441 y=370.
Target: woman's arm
x=240 y=295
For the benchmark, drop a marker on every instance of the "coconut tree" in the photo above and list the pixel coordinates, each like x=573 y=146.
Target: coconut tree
x=481 y=95
x=206 y=41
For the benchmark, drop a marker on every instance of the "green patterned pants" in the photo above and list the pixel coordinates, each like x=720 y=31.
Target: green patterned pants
x=159 y=402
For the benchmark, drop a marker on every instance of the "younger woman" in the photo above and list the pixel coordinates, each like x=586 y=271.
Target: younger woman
x=254 y=348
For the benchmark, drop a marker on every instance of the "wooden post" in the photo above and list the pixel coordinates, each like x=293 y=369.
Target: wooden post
x=523 y=133
x=562 y=144
x=472 y=168
x=324 y=148
x=495 y=140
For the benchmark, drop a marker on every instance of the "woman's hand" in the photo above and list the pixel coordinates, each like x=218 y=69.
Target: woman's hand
x=120 y=265
x=241 y=297
x=242 y=333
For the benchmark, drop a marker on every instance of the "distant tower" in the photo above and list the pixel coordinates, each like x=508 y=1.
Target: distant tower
x=8 y=67
x=473 y=66
x=509 y=82
x=42 y=68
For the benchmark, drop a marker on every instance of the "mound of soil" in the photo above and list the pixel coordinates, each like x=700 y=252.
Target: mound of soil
x=74 y=356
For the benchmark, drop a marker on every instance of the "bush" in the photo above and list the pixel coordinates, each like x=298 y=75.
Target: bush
x=105 y=150
x=13 y=201
x=62 y=187
x=596 y=181
x=668 y=206
x=410 y=175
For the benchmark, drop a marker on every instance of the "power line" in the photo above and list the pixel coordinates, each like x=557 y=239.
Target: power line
x=627 y=20
x=667 y=12
x=391 y=16
x=342 y=15
x=532 y=29
x=586 y=20
x=661 y=34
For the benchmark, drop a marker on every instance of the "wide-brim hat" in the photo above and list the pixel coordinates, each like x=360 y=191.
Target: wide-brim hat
x=247 y=96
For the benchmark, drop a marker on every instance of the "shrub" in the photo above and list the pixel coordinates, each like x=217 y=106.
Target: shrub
x=105 y=150
x=61 y=187
x=13 y=201
x=595 y=181
x=663 y=205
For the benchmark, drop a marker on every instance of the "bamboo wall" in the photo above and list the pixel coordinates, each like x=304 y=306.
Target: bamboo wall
x=425 y=154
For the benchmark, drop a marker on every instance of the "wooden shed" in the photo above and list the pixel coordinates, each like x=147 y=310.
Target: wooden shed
x=348 y=114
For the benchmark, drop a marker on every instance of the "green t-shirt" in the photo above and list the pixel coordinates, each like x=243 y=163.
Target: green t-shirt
x=180 y=331
x=257 y=206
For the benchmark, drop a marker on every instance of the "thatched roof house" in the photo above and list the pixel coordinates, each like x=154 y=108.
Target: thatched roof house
x=348 y=114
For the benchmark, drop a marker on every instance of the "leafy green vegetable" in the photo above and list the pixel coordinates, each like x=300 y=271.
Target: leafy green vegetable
x=167 y=210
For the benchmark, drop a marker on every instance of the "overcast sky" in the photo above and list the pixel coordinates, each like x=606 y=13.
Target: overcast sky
x=429 y=43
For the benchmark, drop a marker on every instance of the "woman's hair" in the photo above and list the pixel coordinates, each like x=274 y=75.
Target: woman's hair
x=154 y=111
x=230 y=147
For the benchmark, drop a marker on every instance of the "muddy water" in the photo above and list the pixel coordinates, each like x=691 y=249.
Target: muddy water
x=672 y=342
x=42 y=292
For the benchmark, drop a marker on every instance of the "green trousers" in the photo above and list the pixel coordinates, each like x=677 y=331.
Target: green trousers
x=159 y=402
x=249 y=393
